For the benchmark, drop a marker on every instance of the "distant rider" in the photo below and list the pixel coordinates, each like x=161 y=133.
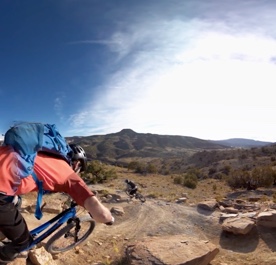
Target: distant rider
x=131 y=187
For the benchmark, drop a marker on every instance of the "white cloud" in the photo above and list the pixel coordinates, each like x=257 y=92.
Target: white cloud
x=199 y=78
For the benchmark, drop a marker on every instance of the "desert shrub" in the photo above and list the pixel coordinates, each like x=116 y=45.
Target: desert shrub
x=259 y=177
x=111 y=174
x=226 y=169
x=132 y=165
x=194 y=171
x=178 y=180
x=141 y=168
x=218 y=176
x=212 y=171
x=97 y=172
x=151 y=168
x=190 y=181
x=263 y=176
x=238 y=179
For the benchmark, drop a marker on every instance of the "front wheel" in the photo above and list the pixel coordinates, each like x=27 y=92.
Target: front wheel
x=140 y=197
x=71 y=235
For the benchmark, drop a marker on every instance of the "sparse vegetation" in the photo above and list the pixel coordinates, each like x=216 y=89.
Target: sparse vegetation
x=98 y=172
x=262 y=176
x=185 y=161
x=190 y=180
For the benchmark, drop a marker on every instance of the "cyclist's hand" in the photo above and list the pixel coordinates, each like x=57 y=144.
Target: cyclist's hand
x=111 y=222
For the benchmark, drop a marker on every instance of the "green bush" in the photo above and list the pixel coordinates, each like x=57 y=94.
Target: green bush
x=263 y=176
x=238 y=179
x=97 y=172
x=190 y=181
x=133 y=165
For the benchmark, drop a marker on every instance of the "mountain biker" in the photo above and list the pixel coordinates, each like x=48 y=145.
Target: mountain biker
x=58 y=176
x=131 y=187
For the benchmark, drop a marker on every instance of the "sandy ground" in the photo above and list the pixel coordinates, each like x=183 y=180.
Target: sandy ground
x=156 y=218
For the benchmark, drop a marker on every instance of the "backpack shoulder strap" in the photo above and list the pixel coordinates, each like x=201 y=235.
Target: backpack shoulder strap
x=39 y=183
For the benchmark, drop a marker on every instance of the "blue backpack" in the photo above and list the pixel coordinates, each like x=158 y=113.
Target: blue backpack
x=28 y=139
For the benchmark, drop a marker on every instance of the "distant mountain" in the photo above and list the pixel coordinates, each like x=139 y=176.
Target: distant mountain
x=242 y=143
x=129 y=144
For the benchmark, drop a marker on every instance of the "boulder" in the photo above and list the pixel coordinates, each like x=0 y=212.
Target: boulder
x=267 y=219
x=238 y=225
x=208 y=205
x=171 y=250
x=40 y=256
x=117 y=210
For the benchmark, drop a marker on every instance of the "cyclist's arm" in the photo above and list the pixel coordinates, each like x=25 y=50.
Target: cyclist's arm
x=99 y=212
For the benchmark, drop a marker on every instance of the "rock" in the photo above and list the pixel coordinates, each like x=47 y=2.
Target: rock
x=248 y=214
x=267 y=219
x=254 y=198
x=238 y=225
x=168 y=250
x=231 y=210
x=185 y=195
x=40 y=256
x=181 y=200
x=209 y=205
x=117 y=210
x=224 y=216
x=226 y=203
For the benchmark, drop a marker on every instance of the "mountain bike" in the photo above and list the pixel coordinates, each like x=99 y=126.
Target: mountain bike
x=68 y=229
x=137 y=196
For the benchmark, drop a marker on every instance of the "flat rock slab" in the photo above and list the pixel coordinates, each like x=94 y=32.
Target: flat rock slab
x=171 y=250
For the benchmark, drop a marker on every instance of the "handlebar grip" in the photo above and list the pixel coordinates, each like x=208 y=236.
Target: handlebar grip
x=111 y=222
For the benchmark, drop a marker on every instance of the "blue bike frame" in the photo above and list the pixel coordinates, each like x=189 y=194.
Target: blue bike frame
x=57 y=221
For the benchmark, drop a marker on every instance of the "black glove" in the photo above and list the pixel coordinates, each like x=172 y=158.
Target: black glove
x=111 y=222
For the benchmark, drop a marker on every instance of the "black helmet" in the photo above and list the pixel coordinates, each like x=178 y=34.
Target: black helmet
x=78 y=154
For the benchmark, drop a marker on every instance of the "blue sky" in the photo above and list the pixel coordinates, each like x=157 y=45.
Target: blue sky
x=178 y=67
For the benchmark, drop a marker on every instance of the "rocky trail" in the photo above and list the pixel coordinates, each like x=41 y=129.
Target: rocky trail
x=157 y=218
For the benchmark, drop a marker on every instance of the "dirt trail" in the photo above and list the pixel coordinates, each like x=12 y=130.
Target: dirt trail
x=157 y=218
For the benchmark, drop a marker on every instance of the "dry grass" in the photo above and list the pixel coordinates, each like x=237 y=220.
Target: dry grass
x=163 y=187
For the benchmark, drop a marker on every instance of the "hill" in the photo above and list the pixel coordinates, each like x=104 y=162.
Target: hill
x=242 y=143
x=166 y=152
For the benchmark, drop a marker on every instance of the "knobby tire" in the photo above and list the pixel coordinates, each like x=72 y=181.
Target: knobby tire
x=140 y=197
x=64 y=240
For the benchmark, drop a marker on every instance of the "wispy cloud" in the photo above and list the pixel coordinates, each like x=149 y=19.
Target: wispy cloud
x=187 y=75
x=58 y=106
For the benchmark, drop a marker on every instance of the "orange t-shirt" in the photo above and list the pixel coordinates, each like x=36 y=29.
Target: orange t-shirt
x=55 y=173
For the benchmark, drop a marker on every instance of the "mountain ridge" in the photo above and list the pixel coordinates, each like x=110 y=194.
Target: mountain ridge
x=129 y=144
x=243 y=142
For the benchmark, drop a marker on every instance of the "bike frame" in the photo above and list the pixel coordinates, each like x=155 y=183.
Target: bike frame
x=56 y=222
